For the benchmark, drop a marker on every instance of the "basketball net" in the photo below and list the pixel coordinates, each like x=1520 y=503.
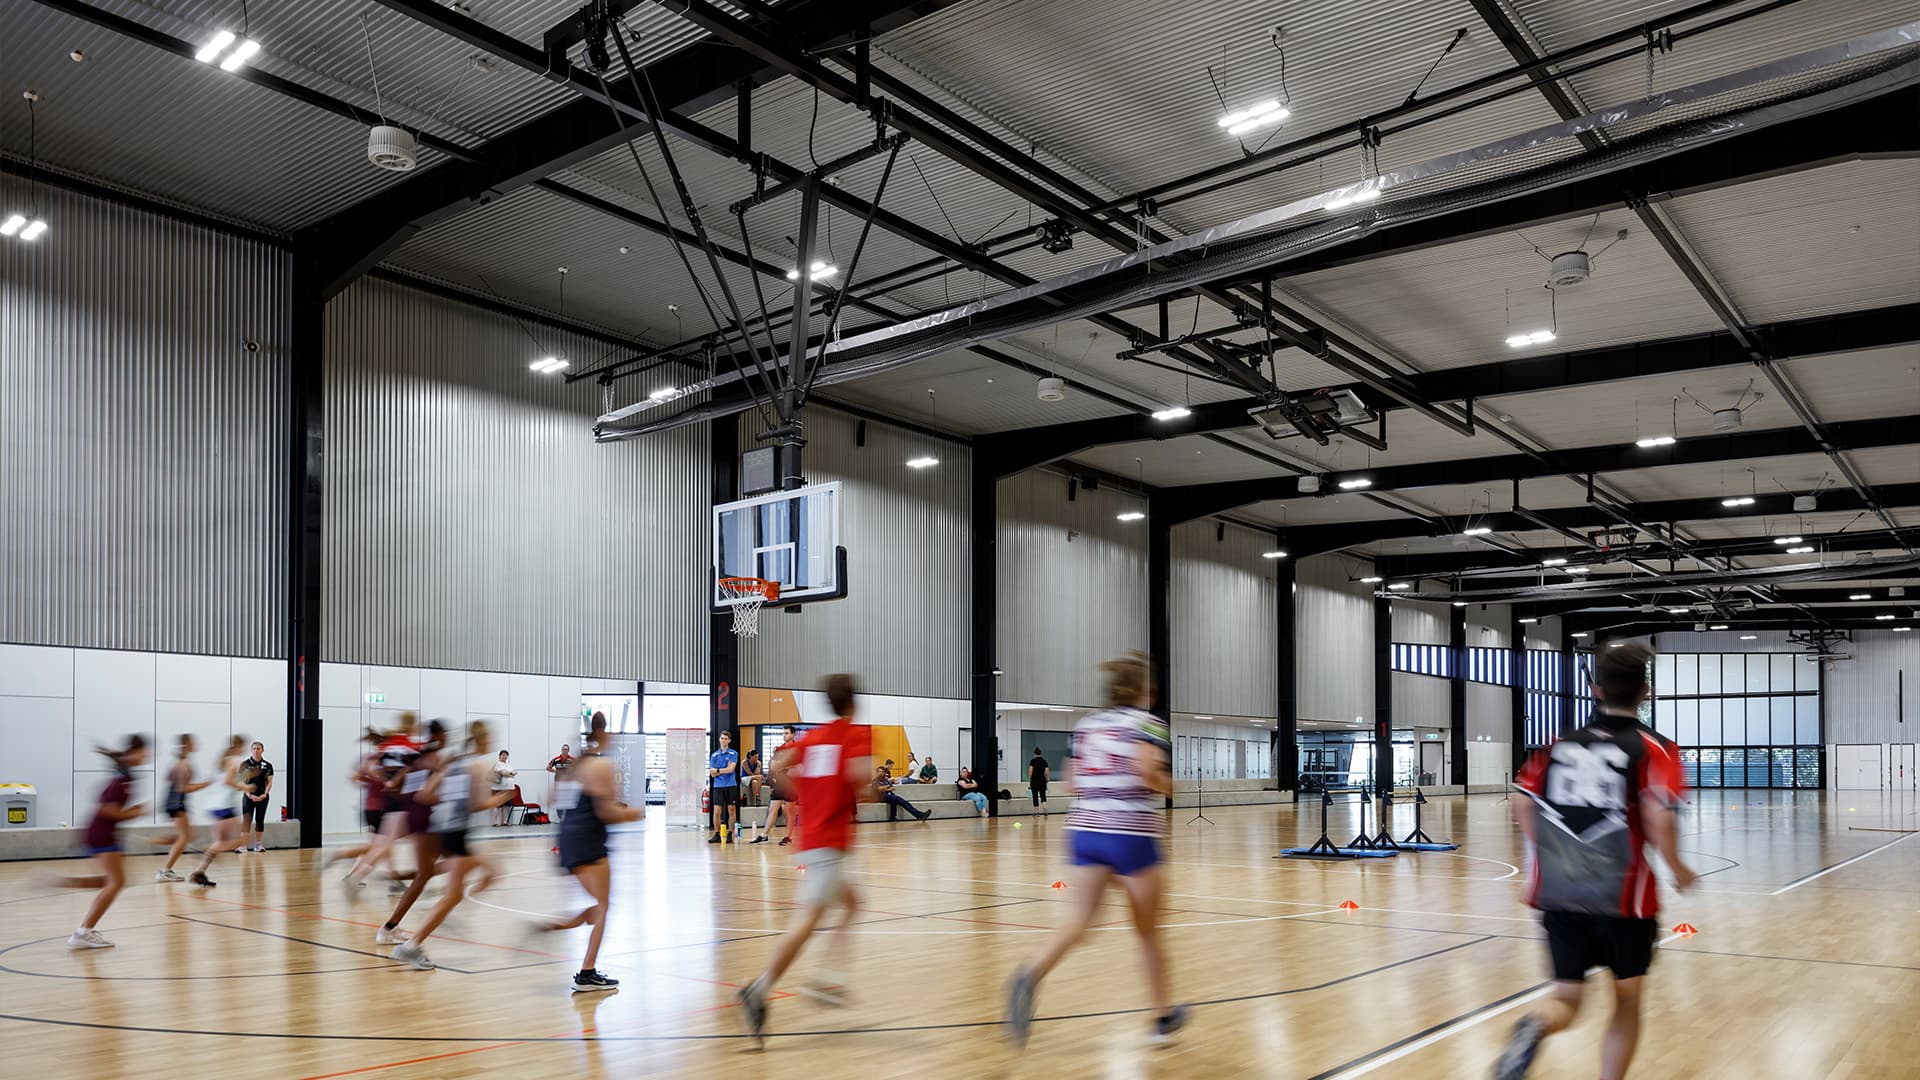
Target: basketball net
x=748 y=596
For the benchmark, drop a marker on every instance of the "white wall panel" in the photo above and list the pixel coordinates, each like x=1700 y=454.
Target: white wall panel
x=210 y=724
x=905 y=623
x=1489 y=712
x=1334 y=628
x=260 y=705
x=34 y=671
x=1420 y=701
x=112 y=698
x=1420 y=623
x=178 y=677
x=1862 y=695
x=1072 y=587
x=474 y=524
x=38 y=735
x=143 y=470
x=1224 y=638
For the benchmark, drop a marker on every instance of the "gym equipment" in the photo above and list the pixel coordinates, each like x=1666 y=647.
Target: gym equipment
x=1418 y=840
x=1200 y=798
x=1324 y=848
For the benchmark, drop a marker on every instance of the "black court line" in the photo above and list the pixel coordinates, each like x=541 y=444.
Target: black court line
x=959 y=1025
x=1731 y=863
x=1490 y=1006
x=316 y=944
x=1835 y=866
x=1790 y=959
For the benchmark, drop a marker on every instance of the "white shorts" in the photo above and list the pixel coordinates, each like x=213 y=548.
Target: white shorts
x=825 y=880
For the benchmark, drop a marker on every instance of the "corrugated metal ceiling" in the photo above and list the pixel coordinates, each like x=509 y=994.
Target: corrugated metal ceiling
x=1856 y=386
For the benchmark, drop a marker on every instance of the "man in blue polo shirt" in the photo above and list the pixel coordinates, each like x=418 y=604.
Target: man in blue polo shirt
x=723 y=773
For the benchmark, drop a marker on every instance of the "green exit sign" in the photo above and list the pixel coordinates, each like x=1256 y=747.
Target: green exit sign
x=376 y=699
x=1431 y=736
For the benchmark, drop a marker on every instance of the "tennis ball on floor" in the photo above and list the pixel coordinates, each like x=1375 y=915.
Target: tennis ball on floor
x=1016 y=824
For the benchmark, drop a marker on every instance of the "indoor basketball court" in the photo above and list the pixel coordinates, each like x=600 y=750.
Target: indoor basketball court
x=1399 y=512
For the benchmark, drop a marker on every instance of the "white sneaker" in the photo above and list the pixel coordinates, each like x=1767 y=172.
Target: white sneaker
x=88 y=939
x=167 y=875
x=409 y=953
x=259 y=848
x=391 y=937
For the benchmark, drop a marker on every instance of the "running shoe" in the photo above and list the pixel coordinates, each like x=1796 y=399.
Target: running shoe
x=786 y=841
x=391 y=936
x=1165 y=1026
x=167 y=875
x=414 y=955
x=201 y=880
x=1522 y=1045
x=395 y=886
x=761 y=839
x=714 y=839
x=753 y=1005
x=1019 y=1008
x=593 y=982
x=924 y=814
x=88 y=939
x=258 y=848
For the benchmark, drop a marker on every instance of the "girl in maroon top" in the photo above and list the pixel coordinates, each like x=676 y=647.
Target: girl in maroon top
x=103 y=840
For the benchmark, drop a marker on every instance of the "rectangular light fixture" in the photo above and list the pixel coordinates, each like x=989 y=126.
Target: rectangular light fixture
x=1553 y=562
x=1749 y=637
x=547 y=365
x=12 y=225
x=214 y=46
x=818 y=271
x=1583 y=633
x=1718 y=626
x=1883 y=618
x=1579 y=569
x=1679 y=611
x=1203 y=717
x=1477 y=530
x=1258 y=115
x=1800 y=551
x=1371 y=580
x=663 y=393
x=1459 y=603
x=1130 y=515
x=1403 y=586
x=1273 y=554
x=1615 y=644
x=1537 y=337
x=1738 y=500
x=922 y=462
x=33 y=230
x=1355 y=484
x=1652 y=441
x=1174 y=413
x=1366 y=194
x=1785 y=540
x=1860 y=596
x=1528 y=622
x=240 y=55
x=1903 y=629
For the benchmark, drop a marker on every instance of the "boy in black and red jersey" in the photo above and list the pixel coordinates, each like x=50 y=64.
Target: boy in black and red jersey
x=1597 y=798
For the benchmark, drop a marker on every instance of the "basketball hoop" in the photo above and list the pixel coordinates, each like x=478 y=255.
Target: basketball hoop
x=745 y=596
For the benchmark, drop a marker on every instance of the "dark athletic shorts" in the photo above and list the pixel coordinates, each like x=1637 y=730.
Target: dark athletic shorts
x=418 y=814
x=453 y=844
x=257 y=811
x=578 y=851
x=726 y=796
x=1579 y=941
x=176 y=803
x=371 y=818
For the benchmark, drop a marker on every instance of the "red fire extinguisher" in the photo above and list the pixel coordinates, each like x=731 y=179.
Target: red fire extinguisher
x=706 y=801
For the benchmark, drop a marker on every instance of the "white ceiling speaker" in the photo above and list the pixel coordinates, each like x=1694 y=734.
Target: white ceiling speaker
x=1309 y=485
x=392 y=148
x=1569 y=268
x=1804 y=504
x=1052 y=389
x=1726 y=419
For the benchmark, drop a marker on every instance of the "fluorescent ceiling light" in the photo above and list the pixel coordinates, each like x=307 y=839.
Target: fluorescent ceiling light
x=33 y=230
x=1615 y=644
x=1402 y=586
x=1738 y=500
x=663 y=393
x=1459 y=603
x=1579 y=569
x=1718 y=626
x=1679 y=610
x=238 y=57
x=1355 y=484
x=1174 y=413
x=1583 y=633
x=922 y=462
x=1861 y=596
x=12 y=224
x=817 y=271
x=1366 y=194
x=1883 y=618
x=1553 y=562
x=1800 y=551
x=1785 y=540
x=1371 y=580
x=547 y=365
x=1477 y=530
x=1902 y=629
x=1537 y=337
x=1528 y=622
x=1749 y=637
x=214 y=47
x=1652 y=441
x=1197 y=717
x=1273 y=554
x=1258 y=115
x=1130 y=515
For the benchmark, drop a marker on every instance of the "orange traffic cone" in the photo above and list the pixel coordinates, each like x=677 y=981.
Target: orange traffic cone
x=1685 y=930
x=1059 y=884
x=1348 y=905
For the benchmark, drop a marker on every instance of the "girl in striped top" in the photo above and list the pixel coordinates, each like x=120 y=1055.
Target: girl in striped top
x=1120 y=776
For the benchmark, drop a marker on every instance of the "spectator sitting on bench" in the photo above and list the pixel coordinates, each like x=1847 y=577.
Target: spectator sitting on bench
x=970 y=790
x=908 y=775
x=929 y=773
x=751 y=776
x=883 y=787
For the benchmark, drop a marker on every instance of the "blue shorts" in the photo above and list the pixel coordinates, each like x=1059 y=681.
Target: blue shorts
x=1123 y=853
x=102 y=849
x=223 y=813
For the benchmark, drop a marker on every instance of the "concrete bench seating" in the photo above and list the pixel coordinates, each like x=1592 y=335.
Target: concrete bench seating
x=56 y=843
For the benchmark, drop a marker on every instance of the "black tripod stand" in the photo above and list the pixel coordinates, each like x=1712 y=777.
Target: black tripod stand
x=1200 y=798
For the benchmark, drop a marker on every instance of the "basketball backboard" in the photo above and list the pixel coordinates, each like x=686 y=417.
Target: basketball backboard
x=791 y=537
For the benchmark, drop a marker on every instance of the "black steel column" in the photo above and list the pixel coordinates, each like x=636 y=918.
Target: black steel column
x=1286 y=750
x=1382 y=696
x=1160 y=608
x=1570 y=719
x=306 y=504
x=723 y=648
x=1457 y=697
x=983 y=518
x=1517 y=660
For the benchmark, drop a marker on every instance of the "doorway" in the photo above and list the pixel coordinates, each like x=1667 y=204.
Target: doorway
x=1900 y=772
x=1858 y=767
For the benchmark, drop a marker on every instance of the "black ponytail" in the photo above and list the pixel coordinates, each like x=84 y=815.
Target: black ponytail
x=119 y=757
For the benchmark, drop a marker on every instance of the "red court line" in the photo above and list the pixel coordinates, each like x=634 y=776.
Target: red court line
x=414 y=1061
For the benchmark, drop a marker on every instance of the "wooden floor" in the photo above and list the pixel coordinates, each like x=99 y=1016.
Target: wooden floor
x=1806 y=965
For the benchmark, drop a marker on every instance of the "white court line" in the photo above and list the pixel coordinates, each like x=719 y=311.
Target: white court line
x=1453 y=1029
x=1840 y=865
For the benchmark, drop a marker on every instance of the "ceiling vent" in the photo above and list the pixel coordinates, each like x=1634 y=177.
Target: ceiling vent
x=1569 y=268
x=1309 y=485
x=1805 y=504
x=1052 y=389
x=1726 y=419
x=392 y=148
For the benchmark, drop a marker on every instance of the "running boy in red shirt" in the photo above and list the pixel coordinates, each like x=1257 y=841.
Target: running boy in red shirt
x=831 y=770
x=1597 y=798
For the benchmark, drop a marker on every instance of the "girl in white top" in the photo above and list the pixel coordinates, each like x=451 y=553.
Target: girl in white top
x=454 y=794
x=1120 y=778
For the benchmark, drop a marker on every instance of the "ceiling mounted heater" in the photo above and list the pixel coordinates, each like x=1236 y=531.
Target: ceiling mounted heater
x=1569 y=268
x=392 y=148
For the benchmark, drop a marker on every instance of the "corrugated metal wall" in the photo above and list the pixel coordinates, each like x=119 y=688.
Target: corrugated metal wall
x=1862 y=695
x=1334 y=620
x=1222 y=609
x=905 y=623
x=1073 y=587
x=141 y=444
x=1420 y=622
x=473 y=523
x=1421 y=701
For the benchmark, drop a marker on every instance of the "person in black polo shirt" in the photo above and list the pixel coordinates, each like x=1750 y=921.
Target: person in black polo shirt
x=253 y=803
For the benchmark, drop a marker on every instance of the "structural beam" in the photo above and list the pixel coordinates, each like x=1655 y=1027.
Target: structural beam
x=306 y=517
x=1286 y=739
x=1457 y=697
x=1495 y=564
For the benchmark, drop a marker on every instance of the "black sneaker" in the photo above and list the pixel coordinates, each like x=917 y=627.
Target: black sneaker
x=924 y=814
x=786 y=841
x=202 y=880
x=590 y=981
x=714 y=839
x=1522 y=1045
x=1019 y=1008
x=761 y=839
x=753 y=1005
x=1165 y=1026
